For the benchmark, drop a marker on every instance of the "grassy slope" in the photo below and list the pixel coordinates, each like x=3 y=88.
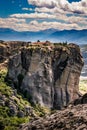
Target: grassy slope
x=8 y=122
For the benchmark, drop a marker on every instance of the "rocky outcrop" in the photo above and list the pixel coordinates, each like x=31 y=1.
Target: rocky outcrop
x=72 y=118
x=80 y=100
x=16 y=105
x=47 y=74
x=10 y=48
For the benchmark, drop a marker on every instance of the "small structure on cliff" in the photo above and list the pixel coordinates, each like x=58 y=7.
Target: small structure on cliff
x=47 y=74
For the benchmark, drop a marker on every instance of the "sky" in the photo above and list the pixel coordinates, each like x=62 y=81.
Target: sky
x=35 y=15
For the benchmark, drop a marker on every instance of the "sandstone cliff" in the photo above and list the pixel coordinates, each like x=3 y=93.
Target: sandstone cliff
x=47 y=74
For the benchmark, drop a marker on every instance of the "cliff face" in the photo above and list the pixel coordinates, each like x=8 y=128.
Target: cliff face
x=47 y=74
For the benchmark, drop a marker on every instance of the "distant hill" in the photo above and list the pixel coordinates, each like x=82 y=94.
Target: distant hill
x=76 y=36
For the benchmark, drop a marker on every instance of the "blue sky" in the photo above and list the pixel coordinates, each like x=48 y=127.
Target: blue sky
x=35 y=15
x=8 y=7
x=74 y=1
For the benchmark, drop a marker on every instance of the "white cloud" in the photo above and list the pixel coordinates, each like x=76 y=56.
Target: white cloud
x=35 y=25
x=64 y=5
x=27 y=9
x=79 y=7
x=44 y=3
x=51 y=11
x=72 y=14
x=55 y=16
x=56 y=25
x=34 y=16
x=12 y=23
x=54 y=11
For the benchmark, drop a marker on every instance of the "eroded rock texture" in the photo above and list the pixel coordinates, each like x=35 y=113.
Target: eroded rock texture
x=72 y=118
x=47 y=74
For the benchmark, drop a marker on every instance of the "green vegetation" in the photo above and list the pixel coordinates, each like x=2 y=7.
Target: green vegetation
x=35 y=47
x=46 y=47
x=11 y=123
x=41 y=111
x=62 y=44
x=4 y=89
x=83 y=86
x=7 y=120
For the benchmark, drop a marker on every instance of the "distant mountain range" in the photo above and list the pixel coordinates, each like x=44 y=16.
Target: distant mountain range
x=76 y=36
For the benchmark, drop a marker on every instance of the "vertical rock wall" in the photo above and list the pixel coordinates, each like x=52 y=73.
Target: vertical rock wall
x=47 y=75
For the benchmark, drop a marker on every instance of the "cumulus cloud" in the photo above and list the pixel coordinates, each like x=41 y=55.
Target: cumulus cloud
x=35 y=25
x=44 y=3
x=71 y=14
x=58 y=14
x=56 y=25
x=74 y=7
x=12 y=23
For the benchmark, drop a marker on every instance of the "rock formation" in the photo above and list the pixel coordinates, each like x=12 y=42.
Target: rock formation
x=47 y=74
x=16 y=107
x=10 y=48
x=72 y=118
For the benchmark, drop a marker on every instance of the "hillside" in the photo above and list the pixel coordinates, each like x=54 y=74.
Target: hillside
x=14 y=108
